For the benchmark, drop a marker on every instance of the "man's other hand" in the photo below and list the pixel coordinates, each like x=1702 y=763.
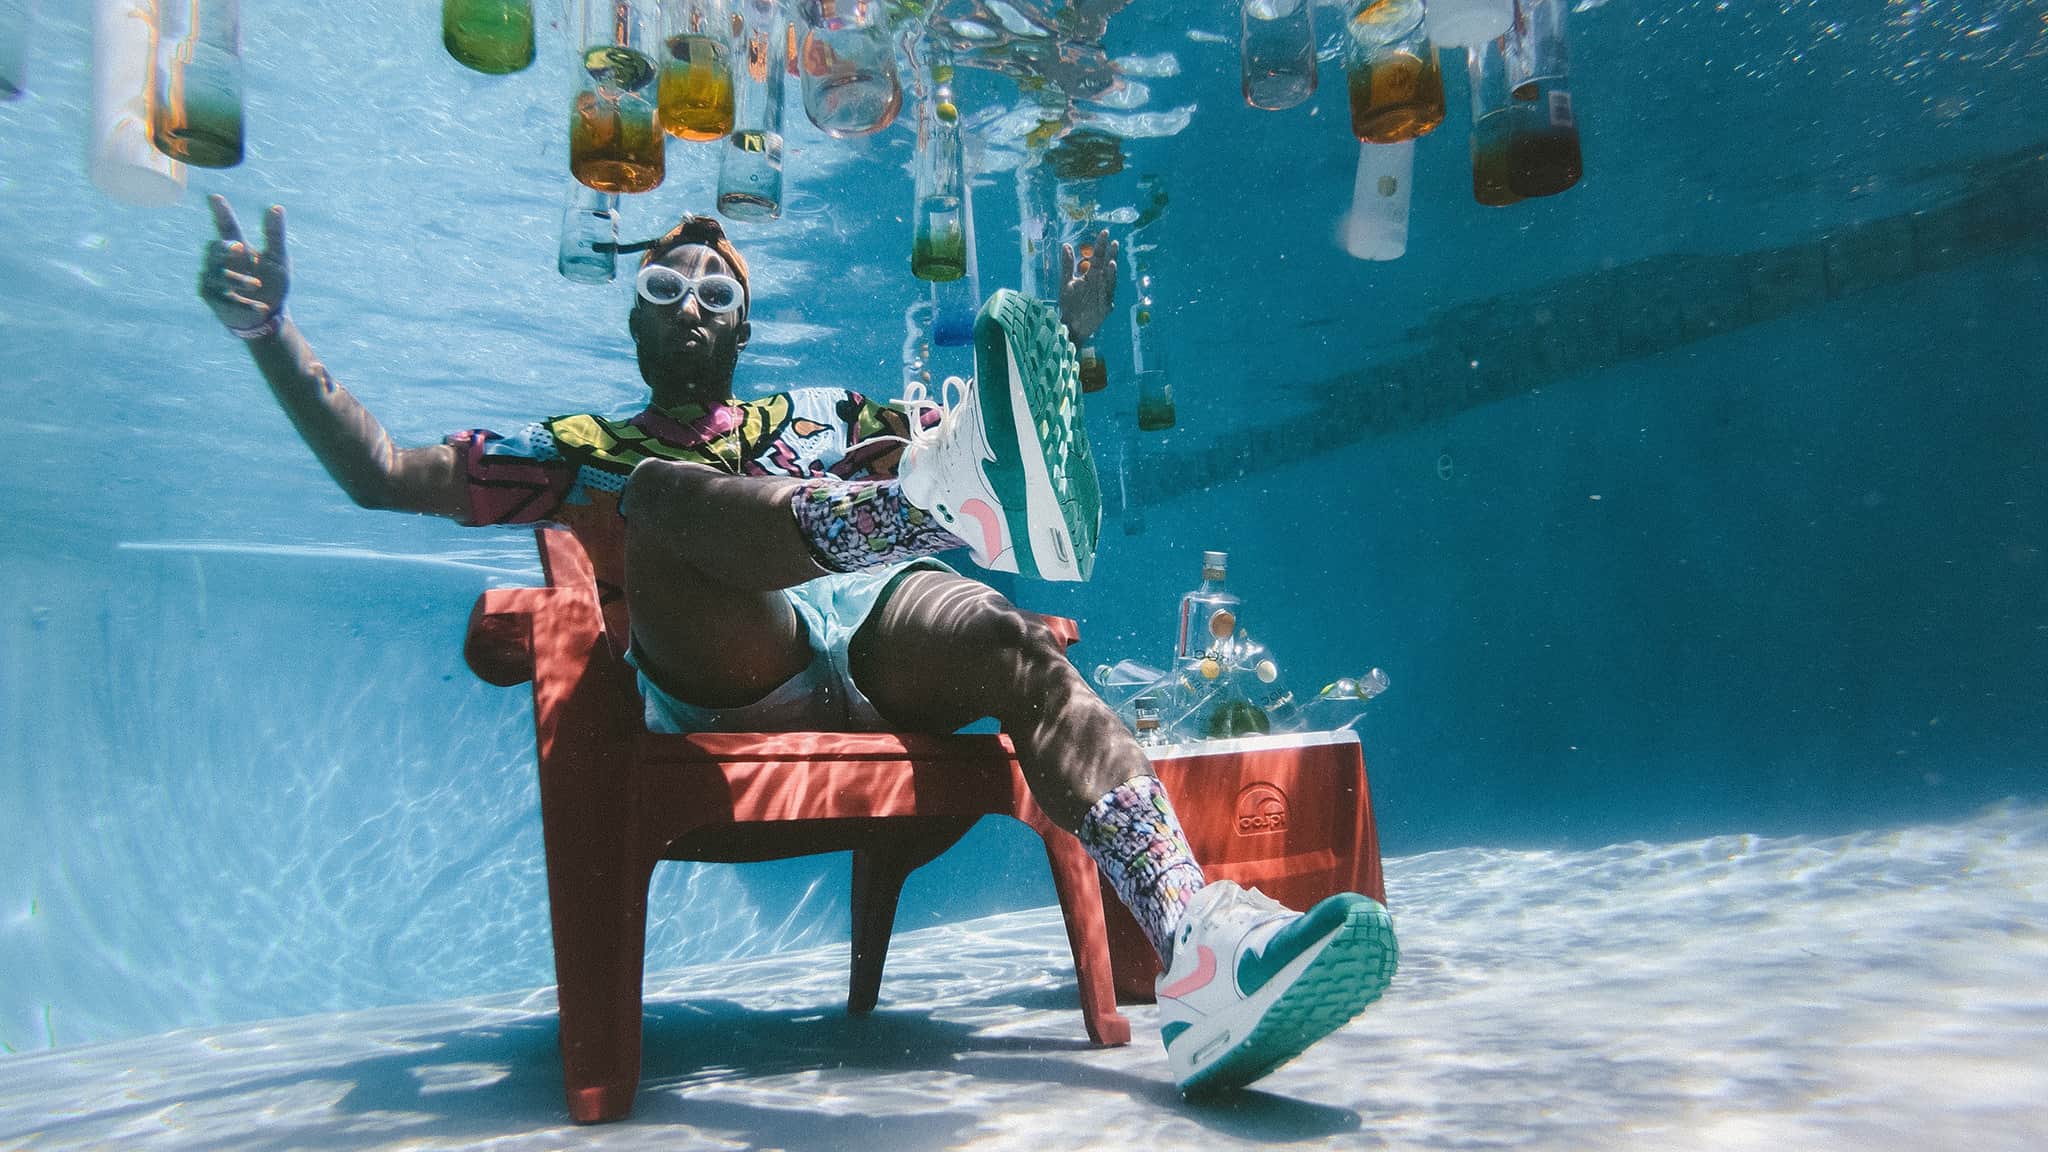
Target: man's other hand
x=1087 y=289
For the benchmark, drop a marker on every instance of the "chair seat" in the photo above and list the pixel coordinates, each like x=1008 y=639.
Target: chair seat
x=617 y=799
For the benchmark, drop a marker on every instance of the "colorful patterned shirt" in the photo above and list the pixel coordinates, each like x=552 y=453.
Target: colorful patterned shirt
x=569 y=470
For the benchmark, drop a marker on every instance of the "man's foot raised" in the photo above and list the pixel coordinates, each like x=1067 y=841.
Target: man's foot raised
x=1253 y=984
x=1008 y=467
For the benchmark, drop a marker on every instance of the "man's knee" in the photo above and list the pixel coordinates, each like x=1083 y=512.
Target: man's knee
x=1024 y=641
x=658 y=487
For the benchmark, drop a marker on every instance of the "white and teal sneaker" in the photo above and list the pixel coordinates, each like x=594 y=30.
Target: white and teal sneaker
x=1007 y=468
x=1253 y=984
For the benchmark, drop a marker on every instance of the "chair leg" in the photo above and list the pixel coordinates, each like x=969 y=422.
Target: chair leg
x=1074 y=878
x=878 y=876
x=600 y=931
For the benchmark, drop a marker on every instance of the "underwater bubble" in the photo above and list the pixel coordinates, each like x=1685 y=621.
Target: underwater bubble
x=972 y=30
x=1017 y=23
x=1156 y=67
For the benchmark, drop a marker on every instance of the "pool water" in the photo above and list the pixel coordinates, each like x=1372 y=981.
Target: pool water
x=1696 y=513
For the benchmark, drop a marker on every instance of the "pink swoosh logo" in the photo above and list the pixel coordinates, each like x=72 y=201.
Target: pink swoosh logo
x=991 y=526
x=1205 y=971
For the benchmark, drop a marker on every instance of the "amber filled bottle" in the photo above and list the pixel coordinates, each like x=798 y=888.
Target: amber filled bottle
x=615 y=139
x=1493 y=115
x=696 y=86
x=1396 y=82
x=1543 y=146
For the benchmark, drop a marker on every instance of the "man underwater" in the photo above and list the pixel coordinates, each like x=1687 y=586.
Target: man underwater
x=777 y=557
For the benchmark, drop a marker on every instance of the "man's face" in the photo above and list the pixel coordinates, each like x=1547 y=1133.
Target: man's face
x=686 y=347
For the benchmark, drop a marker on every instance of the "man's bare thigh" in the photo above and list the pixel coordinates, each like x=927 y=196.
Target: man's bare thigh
x=936 y=651
x=707 y=643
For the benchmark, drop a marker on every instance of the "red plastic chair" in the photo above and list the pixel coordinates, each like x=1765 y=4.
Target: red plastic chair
x=617 y=799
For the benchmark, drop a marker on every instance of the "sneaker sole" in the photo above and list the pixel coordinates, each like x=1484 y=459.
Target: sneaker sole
x=1029 y=381
x=1346 y=975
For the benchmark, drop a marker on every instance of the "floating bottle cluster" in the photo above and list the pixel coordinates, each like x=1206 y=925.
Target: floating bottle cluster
x=1222 y=682
x=1525 y=140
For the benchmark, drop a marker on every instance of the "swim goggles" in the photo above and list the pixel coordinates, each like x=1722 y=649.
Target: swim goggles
x=660 y=284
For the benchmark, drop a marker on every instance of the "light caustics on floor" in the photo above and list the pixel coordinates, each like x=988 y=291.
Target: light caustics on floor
x=1873 y=991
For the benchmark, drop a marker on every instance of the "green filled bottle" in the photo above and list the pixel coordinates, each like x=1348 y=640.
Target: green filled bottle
x=491 y=36
x=1233 y=715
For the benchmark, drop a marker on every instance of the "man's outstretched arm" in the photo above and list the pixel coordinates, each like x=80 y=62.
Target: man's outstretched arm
x=246 y=290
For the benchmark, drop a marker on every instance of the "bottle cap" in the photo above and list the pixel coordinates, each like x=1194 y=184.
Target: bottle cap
x=1216 y=562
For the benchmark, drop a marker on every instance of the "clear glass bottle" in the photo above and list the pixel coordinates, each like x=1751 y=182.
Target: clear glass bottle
x=1148 y=345
x=1396 y=81
x=588 y=251
x=1543 y=149
x=1148 y=720
x=1209 y=614
x=1038 y=216
x=1493 y=115
x=847 y=64
x=695 y=89
x=494 y=37
x=1342 y=704
x=938 y=243
x=1094 y=373
x=1277 y=52
x=16 y=16
x=750 y=169
x=195 y=92
x=615 y=138
x=1467 y=23
x=1155 y=410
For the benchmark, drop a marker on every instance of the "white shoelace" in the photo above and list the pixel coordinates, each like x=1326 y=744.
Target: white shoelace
x=917 y=400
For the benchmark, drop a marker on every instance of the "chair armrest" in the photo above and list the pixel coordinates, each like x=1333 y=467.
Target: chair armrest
x=499 y=643
x=1066 y=631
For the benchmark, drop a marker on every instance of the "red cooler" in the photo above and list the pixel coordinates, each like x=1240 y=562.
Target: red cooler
x=1289 y=815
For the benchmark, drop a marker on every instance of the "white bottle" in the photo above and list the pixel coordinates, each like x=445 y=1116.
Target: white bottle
x=1377 y=226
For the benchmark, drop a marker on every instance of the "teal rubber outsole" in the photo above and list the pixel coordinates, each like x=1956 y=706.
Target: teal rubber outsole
x=1013 y=324
x=1351 y=972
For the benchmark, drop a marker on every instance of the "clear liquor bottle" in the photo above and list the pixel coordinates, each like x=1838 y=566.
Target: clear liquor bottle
x=1209 y=614
x=750 y=168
